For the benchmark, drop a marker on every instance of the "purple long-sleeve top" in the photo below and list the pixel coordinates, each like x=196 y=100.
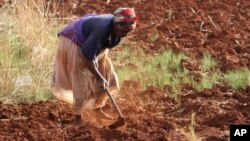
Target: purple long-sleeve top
x=91 y=33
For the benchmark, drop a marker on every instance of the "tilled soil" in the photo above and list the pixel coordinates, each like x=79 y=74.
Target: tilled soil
x=221 y=28
x=149 y=115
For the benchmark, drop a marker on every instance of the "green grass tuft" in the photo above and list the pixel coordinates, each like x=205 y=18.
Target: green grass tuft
x=238 y=79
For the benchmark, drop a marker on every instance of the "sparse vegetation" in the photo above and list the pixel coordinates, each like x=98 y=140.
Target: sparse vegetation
x=169 y=14
x=208 y=63
x=190 y=132
x=164 y=69
x=208 y=81
x=157 y=70
x=154 y=37
x=238 y=79
x=28 y=42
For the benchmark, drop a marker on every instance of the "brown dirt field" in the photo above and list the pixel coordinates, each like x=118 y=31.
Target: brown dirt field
x=221 y=28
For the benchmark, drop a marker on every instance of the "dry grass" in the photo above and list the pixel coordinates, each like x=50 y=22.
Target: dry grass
x=28 y=43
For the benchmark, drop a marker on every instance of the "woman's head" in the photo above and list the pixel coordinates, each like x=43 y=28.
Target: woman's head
x=125 y=20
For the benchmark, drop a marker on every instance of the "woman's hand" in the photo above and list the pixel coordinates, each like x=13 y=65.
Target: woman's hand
x=102 y=83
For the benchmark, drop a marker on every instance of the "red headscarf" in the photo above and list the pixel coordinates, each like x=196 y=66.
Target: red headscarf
x=125 y=15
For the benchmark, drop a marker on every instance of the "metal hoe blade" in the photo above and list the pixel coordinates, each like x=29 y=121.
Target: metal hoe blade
x=121 y=120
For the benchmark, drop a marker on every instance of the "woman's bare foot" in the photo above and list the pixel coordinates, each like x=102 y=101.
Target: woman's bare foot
x=102 y=114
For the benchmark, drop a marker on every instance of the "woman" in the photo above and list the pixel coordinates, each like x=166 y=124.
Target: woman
x=82 y=67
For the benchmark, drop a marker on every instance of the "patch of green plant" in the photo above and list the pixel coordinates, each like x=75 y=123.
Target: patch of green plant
x=169 y=14
x=208 y=63
x=154 y=37
x=155 y=70
x=208 y=80
x=238 y=79
x=44 y=94
x=164 y=68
